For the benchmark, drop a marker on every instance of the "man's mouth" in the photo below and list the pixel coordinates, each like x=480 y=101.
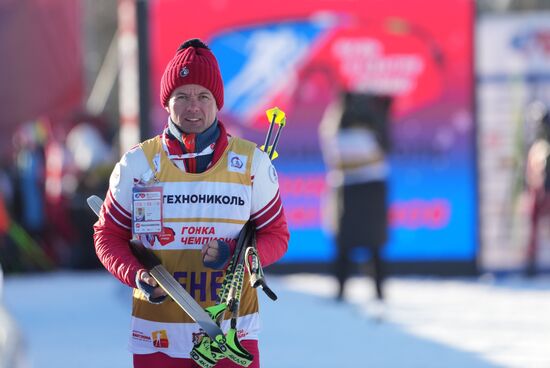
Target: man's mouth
x=193 y=120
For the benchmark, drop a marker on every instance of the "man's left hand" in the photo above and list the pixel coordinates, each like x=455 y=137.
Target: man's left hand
x=215 y=254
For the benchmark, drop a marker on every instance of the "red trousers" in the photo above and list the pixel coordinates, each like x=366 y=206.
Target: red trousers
x=161 y=360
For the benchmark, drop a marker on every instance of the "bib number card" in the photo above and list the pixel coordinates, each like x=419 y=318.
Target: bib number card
x=147 y=210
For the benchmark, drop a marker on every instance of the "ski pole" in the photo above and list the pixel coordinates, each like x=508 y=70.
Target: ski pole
x=256 y=272
x=247 y=234
x=254 y=267
x=270 y=130
x=228 y=299
x=280 y=119
x=275 y=116
x=230 y=291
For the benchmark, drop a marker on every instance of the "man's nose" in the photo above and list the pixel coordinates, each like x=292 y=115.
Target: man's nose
x=193 y=104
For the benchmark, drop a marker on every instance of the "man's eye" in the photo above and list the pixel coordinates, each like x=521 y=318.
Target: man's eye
x=204 y=97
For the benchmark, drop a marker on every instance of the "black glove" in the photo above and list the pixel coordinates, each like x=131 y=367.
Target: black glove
x=147 y=290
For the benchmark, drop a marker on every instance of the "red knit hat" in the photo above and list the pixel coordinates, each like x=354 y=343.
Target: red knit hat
x=193 y=63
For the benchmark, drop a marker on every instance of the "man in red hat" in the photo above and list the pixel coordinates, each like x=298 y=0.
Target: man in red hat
x=203 y=186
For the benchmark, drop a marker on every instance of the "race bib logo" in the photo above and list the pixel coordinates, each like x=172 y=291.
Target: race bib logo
x=236 y=163
x=160 y=339
x=167 y=236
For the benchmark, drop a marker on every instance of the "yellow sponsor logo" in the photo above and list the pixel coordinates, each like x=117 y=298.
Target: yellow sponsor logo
x=160 y=339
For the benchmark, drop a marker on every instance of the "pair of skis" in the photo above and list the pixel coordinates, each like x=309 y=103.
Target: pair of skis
x=214 y=345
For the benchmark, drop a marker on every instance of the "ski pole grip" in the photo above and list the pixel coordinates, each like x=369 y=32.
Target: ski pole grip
x=256 y=280
x=146 y=257
x=268 y=291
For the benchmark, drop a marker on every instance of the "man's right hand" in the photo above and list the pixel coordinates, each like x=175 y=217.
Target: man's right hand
x=149 y=286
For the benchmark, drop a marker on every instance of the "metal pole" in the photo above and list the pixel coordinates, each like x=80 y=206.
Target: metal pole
x=142 y=14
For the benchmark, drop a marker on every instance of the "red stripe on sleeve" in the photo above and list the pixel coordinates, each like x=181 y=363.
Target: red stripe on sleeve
x=110 y=199
x=272 y=240
x=111 y=246
x=116 y=212
x=266 y=207
x=269 y=212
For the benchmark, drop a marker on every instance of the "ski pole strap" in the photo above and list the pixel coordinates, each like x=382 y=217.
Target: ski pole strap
x=253 y=267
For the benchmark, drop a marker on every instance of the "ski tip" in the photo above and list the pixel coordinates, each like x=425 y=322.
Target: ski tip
x=93 y=198
x=95 y=203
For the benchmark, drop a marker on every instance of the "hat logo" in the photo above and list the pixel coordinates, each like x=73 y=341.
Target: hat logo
x=184 y=72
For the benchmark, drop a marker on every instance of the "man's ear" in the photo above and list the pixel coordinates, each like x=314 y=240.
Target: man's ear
x=167 y=109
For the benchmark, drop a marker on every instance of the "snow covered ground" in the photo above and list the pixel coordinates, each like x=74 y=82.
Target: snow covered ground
x=81 y=319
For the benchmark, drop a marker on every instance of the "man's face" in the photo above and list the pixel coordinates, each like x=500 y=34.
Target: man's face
x=192 y=108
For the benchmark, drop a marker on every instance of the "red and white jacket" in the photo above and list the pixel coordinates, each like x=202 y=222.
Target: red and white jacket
x=113 y=229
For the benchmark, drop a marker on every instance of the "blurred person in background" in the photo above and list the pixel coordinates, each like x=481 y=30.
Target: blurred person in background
x=89 y=149
x=6 y=198
x=4 y=224
x=6 y=194
x=29 y=181
x=538 y=184
x=91 y=162
x=25 y=244
x=61 y=231
x=354 y=142
x=6 y=183
x=192 y=157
